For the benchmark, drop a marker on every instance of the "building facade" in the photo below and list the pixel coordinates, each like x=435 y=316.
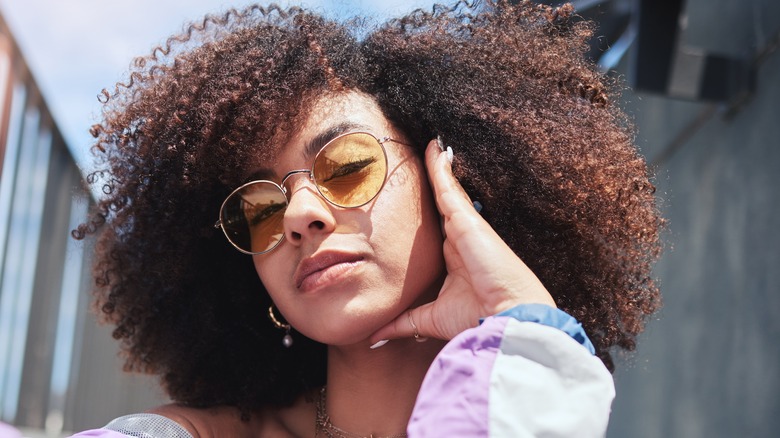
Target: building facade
x=708 y=365
x=53 y=357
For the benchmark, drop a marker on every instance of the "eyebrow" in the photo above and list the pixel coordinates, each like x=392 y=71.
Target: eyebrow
x=313 y=146
x=321 y=139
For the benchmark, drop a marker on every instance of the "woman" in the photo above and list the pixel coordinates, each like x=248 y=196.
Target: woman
x=353 y=254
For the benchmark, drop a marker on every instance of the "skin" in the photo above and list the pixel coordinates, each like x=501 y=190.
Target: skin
x=382 y=263
x=539 y=140
x=369 y=251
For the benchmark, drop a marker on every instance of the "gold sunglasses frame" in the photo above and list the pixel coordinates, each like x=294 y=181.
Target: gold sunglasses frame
x=310 y=172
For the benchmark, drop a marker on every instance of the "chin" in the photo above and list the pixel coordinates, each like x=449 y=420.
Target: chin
x=351 y=324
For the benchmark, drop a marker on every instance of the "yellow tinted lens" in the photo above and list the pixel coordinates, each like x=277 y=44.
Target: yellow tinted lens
x=252 y=216
x=350 y=170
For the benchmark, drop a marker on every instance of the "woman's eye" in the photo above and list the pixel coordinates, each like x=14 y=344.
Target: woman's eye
x=350 y=168
x=257 y=214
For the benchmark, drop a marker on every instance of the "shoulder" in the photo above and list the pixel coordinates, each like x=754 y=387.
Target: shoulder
x=213 y=422
x=178 y=421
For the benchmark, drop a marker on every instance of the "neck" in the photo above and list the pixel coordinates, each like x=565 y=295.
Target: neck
x=373 y=391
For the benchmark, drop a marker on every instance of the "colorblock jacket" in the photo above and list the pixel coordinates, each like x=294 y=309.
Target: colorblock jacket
x=526 y=372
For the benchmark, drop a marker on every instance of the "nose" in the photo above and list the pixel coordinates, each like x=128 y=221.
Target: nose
x=307 y=213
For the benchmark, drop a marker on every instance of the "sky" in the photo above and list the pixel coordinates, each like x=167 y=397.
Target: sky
x=75 y=48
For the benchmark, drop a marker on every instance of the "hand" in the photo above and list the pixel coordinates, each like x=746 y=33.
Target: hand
x=484 y=276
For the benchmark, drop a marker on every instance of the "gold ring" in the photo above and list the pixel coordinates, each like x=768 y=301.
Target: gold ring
x=417 y=336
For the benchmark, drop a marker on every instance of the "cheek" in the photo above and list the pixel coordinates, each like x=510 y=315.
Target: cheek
x=429 y=235
x=412 y=229
x=426 y=256
x=269 y=268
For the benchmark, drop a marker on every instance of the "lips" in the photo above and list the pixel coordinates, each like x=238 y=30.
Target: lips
x=323 y=267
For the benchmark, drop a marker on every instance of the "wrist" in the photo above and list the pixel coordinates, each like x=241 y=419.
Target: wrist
x=550 y=316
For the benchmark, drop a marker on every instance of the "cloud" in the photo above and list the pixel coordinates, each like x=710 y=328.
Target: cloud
x=75 y=48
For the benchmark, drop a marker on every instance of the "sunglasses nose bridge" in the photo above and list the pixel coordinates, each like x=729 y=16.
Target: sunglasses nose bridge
x=292 y=173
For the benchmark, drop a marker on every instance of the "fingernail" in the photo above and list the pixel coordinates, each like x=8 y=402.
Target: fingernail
x=477 y=206
x=379 y=344
x=449 y=154
x=440 y=143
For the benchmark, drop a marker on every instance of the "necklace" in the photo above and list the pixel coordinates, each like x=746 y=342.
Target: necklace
x=328 y=430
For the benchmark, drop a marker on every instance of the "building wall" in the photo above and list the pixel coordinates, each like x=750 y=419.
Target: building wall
x=709 y=363
x=58 y=369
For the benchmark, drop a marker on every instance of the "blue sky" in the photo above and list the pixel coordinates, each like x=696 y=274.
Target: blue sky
x=75 y=48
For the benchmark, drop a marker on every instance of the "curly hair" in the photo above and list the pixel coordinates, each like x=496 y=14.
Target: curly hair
x=539 y=143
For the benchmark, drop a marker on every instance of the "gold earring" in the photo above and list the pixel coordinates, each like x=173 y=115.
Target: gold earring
x=287 y=340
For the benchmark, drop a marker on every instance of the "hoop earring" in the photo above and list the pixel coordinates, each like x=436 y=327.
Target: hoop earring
x=287 y=340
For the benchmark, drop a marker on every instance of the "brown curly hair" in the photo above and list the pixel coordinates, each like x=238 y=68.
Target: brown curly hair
x=538 y=140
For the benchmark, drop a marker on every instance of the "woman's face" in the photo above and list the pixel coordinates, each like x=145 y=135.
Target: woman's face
x=341 y=274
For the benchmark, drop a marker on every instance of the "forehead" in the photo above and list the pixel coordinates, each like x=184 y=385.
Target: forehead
x=328 y=117
x=336 y=114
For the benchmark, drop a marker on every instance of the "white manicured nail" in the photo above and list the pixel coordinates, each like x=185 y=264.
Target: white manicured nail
x=449 y=154
x=440 y=143
x=379 y=344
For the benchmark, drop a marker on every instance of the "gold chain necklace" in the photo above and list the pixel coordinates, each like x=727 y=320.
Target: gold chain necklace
x=328 y=430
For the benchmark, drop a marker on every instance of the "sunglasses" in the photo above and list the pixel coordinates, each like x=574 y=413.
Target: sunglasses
x=348 y=172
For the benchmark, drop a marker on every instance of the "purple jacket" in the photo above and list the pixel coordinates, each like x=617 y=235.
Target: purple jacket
x=526 y=372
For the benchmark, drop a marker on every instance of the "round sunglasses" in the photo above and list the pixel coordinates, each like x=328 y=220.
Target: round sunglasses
x=349 y=171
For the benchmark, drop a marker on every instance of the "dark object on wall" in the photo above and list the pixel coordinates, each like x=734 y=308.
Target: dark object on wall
x=662 y=64
x=659 y=62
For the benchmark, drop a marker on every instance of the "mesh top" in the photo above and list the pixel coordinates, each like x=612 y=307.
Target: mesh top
x=148 y=426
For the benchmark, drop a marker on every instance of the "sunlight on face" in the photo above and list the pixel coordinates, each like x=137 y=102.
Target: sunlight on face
x=341 y=273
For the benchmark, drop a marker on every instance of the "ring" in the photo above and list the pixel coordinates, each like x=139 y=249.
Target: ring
x=417 y=336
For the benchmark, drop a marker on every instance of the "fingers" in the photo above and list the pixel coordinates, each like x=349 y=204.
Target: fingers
x=450 y=196
x=415 y=329
x=486 y=260
x=466 y=230
x=406 y=325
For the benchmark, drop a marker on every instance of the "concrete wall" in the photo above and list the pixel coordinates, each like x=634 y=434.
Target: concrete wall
x=58 y=370
x=709 y=364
